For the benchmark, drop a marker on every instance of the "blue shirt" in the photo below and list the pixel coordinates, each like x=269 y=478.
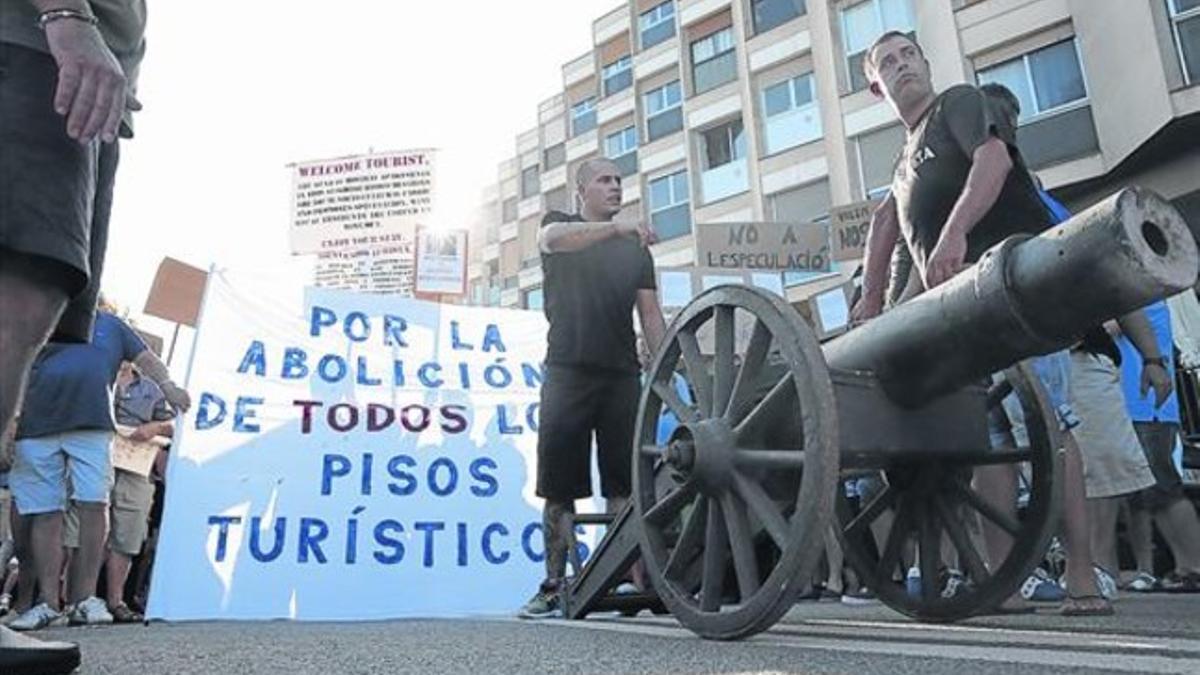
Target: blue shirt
x=1141 y=408
x=71 y=385
x=140 y=402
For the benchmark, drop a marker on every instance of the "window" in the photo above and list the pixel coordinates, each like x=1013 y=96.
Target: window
x=724 y=144
x=713 y=61
x=791 y=114
x=554 y=156
x=877 y=152
x=558 y=200
x=621 y=147
x=618 y=75
x=1045 y=80
x=863 y=23
x=583 y=116
x=1185 y=23
x=664 y=114
x=657 y=24
x=669 y=203
x=804 y=204
x=530 y=185
x=510 y=283
x=771 y=13
x=508 y=210
x=533 y=298
x=723 y=158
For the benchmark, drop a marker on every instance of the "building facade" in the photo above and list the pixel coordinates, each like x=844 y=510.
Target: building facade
x=753 y=110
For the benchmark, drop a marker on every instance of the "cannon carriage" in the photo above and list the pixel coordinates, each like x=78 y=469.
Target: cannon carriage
x=729 y=514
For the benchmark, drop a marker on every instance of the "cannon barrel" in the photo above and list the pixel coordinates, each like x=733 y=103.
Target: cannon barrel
x=1026 y=296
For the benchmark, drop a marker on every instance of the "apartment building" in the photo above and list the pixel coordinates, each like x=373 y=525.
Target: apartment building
x=750 y=110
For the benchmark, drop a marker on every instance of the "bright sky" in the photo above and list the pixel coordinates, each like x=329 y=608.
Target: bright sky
x=235 y=90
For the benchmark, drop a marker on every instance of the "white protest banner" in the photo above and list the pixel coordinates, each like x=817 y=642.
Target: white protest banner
x=384 y=268
x=763 y=246
x=359 y=201
x=441 y=261
x=352 y=457
x=848 y=229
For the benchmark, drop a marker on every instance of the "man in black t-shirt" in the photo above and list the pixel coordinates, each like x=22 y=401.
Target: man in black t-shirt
x=595 y=272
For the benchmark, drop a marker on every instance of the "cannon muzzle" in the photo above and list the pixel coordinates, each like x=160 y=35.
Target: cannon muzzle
x=1027 y=296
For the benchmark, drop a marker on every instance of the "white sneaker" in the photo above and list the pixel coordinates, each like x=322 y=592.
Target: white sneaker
x=90 y=612
x=37 y=618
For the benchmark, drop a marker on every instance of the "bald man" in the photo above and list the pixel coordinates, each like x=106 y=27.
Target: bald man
x=596 y=271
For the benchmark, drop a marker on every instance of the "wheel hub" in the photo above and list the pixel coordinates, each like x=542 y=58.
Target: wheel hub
x=704 y=452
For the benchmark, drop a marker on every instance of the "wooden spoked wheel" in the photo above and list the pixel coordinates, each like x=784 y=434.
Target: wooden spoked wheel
x=731 y=539
x=933 y=515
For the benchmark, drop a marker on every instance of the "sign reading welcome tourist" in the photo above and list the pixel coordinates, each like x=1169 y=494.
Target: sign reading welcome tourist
x=359 y=201
x=764 y=246
x=353 y=456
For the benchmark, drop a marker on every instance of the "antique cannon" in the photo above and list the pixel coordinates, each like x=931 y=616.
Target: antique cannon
x=729 y=513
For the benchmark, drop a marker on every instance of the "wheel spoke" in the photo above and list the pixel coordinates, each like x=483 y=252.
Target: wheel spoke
x=668 y=506
x=745 y=565
x=759 y=414
x=689 y=539
x=763 y=508
x=768 y=459
x=715 y=543
x=895 y=542
x=653 y=451
x=962 y=541
x=697 y=373
x=1006 y=522
x=998 y=392
x=723 y=369
x=683 y=412
x=882 y=501
x=930 y=552
x=752 y=363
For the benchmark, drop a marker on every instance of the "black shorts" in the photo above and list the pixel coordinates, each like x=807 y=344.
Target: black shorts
x=55 y=194
x=575 y=404
x=1158 y=442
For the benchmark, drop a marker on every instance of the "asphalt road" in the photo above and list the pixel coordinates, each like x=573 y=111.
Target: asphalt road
x=1149 y=634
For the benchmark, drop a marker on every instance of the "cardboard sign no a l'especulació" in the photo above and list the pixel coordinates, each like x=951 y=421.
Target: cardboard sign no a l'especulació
x=764 y=246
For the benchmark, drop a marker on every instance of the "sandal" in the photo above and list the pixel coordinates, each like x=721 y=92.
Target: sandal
x=122 y=614
x=1086 y=605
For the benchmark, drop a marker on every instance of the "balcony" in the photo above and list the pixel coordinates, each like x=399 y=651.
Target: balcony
x=724 y=181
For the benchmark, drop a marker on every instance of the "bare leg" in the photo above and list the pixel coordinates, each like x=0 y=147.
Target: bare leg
x=558 y=537
x=85 y=567
x=117 y=568
x=837 y=560
x=1076 y=533
x=1103 y=516
x=1181 y=529
x=1141 y=536
x=47 y=548
x=998 y=486
x=27 y=577
x=38 y=308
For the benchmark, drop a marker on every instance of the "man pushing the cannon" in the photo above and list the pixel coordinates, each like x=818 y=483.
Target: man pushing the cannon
x=959 y=188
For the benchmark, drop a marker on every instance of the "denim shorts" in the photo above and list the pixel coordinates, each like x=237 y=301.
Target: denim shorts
x=1054 y=372
x=55 y=194
x=39 y=475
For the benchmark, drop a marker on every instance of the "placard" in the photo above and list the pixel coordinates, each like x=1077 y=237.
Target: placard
x=763 y=246
x=848 y=229
x=441 y=261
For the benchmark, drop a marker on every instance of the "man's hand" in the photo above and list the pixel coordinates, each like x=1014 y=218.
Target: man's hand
x=1156 y=376
x=91 y=84
x=639 y=230
x=143 y=432
x=177 y=397
x=948 y=259
x=869 y=306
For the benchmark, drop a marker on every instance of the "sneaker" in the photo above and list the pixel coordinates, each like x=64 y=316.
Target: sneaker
x=1143 y=582
x=1039 y=587
x=543 y=605
x=860 y=597
x=90 y=612
x=1175 y=582
x=955 y=582
x=626 y=588
x=37 y=618
x=912 y=583
x=1106 y=583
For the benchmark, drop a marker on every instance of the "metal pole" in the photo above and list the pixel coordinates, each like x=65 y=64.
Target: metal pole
x=174 y=338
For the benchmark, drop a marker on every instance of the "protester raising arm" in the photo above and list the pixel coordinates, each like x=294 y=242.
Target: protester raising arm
x=564 y=237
